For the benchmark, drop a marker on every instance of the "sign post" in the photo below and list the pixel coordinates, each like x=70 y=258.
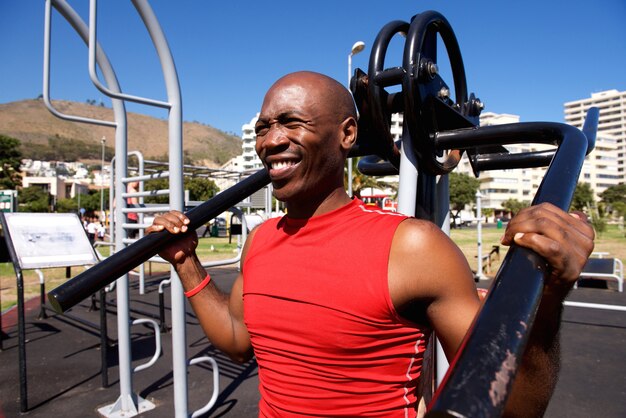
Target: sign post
x=36 y=241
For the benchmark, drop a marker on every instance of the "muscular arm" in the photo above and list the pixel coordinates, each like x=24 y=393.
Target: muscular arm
x=565 y=241
x=429 y=274
x=220 y=314
x=430 y=281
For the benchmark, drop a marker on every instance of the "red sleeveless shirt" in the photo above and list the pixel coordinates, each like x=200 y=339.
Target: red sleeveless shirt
x=327 y=338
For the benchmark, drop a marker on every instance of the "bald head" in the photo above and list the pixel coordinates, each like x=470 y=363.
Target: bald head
x=305 y=130
x=328 y=92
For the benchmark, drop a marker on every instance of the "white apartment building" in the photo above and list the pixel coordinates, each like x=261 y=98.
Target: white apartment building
x=396 y=125
x=612 y=123
x=251 y=160
x=601 y=167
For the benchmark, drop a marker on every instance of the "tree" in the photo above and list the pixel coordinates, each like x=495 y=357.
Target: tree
x=514 y=205
x=583 y=197
x=10 y=160
x=614 y=194
x=619 y=208
x=89 y=201
x=463 y=190
x=68 y=205
x=33 y=199
x=200 y=188
x=156 y=184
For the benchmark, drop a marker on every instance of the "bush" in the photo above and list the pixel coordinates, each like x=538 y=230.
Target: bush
x=598 y=223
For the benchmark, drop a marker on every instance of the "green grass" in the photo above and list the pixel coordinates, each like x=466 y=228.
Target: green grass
x=612 y=241
x=209 y=249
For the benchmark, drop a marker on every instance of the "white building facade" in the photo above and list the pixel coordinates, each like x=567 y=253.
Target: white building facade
x=251 y=160
x=601 y=167
x=612 y=127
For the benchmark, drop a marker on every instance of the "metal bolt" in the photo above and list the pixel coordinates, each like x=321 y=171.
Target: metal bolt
x=432 y=69
x=444 y=93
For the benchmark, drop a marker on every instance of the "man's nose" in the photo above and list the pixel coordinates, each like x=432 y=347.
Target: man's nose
x=275 y=137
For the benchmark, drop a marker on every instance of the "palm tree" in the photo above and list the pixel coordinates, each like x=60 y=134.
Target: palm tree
x=361 y=182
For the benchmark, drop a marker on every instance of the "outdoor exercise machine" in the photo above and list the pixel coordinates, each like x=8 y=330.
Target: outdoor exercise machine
x=437 y=130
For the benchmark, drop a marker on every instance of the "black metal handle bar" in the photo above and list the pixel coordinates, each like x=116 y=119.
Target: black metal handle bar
x=85 y=284
x=514 y=133
x=379 y=78
x=507 y=161
x=481 y=375
x=373 y=165
x=484 y=161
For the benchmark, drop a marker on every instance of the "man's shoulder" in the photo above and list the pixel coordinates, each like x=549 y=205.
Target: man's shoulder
x=417 y=236
x=412 y=228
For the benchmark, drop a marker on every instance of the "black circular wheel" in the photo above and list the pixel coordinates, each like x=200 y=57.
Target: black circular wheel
x=422 y=86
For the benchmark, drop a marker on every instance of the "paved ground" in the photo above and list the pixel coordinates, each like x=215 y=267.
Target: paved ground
x=64 y=379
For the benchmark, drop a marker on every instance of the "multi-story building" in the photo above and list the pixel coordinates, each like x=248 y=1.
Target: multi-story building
x=601 y=167
x=62 y=180
x=396 y=125
x=251 y=160
x=612 y=106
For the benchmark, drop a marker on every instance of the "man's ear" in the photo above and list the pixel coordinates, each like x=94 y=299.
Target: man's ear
x=349 y=132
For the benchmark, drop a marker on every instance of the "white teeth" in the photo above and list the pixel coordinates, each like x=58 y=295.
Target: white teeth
x=278 y=165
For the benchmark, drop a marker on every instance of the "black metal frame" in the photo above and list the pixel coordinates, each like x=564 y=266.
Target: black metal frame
x=435 y=124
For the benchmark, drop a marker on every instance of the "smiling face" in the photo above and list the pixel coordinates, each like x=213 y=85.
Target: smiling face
x=304 y=132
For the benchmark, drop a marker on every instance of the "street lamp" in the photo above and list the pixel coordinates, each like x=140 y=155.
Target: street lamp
x=102 y=141
x=356 y=48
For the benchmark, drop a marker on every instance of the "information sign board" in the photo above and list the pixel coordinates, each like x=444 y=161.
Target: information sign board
x=44 y=240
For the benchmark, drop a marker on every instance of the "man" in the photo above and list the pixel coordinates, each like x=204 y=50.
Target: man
x=337 y=301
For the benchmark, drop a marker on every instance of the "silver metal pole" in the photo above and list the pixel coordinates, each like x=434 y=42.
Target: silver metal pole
x=442 y=219
x=407 y=184
x=349 y=159
x=479 y=233
x=102 y=214
x=595 y=306
x=179 y=346
x=140 y=179
x=127 y=402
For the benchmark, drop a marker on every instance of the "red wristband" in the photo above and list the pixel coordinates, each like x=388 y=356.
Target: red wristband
x=199 y=287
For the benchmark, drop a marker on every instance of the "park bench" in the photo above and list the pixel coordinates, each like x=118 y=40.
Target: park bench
x=600 y=268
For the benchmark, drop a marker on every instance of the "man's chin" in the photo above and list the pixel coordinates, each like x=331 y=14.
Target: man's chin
x=286 y=194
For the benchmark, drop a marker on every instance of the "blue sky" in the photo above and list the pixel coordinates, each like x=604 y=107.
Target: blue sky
x=523 y=57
